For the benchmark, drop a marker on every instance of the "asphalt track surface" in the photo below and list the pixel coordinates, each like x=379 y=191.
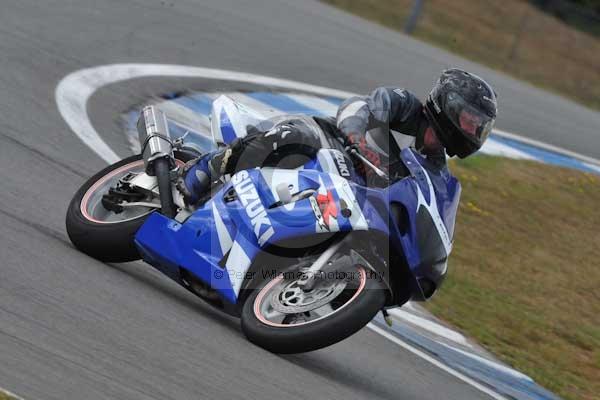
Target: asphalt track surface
x=74 y=328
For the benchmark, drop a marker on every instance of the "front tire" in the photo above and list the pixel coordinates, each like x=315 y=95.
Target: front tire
x=264 y=328
x=104 y=235
x=105 y=241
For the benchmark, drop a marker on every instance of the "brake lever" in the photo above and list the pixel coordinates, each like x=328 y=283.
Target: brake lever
x=362 y=158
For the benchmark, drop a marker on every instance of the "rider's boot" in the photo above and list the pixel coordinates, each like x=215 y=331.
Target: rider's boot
x=196 y=177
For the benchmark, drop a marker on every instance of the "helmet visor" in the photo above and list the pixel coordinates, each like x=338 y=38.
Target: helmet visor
x=470 y=121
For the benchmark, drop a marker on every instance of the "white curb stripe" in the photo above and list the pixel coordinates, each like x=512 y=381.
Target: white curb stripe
x=497 y=366
x=430 y=326
x=437 y=363
x=549 y=147
x=593 y=166
x=495 y=148
x=315 y=103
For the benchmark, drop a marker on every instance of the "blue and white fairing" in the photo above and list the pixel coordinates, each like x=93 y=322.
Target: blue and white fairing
x=430 y=197
x=260 y=207
x=220 y=240
x=230 y=119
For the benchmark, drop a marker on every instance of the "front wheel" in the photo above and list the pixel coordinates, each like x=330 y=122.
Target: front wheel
x=102 y=233
x=283 y=318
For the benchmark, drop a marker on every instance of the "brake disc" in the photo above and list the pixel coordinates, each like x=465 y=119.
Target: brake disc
x=290 y=298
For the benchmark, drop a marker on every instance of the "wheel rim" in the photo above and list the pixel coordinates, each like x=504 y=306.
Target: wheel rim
x=91 y=203
x=283 y=304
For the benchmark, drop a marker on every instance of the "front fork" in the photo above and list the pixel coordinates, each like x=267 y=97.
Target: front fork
x=157 y=152
x=326 y=263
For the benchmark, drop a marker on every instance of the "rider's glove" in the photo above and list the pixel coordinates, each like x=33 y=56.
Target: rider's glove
x=353 y=139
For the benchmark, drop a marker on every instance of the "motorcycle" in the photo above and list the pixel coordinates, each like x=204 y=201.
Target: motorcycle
x=304 y=257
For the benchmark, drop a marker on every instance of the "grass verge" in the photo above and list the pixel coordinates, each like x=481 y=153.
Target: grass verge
x=511 y=35
x=525 y=270
x=5 y=396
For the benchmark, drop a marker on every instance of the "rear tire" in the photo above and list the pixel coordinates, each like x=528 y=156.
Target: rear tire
x=315 y=335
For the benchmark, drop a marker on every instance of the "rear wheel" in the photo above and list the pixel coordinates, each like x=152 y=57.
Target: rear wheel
x=99 y=232
x=283 y=318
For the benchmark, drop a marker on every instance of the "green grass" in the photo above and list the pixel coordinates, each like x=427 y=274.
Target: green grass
x=549 y=53
x=4 y=396
x=525 y=270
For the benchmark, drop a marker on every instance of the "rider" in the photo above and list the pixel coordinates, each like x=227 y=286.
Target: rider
x=457 y=117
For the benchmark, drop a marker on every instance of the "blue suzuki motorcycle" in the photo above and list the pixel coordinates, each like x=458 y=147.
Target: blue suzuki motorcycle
x=304 y=257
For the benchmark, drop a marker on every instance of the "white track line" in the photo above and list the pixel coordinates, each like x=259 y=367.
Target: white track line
x=74 y=91
x=10 y=394
x=490 y=392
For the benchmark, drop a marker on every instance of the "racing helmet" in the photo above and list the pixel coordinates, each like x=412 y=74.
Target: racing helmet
x=462 y=109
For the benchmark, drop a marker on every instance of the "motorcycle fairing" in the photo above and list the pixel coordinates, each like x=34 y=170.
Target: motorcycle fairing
x=229 y=119
x=431 y=196
x=219 y=241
